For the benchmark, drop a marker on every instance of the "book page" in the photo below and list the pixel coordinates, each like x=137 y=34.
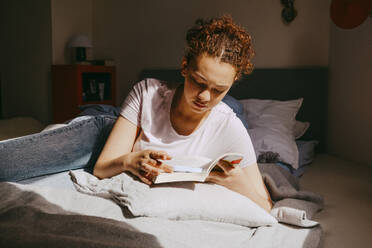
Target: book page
x=180 y=177
x=188 y=163
x=233 y=158
x=185 y=168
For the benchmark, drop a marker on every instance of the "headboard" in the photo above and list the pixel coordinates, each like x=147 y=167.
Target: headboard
x=1 y=101
x=309 y=83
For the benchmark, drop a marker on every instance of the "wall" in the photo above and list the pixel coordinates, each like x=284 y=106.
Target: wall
x=34 y=34
x=350 y=93
x=142 y=34
x=69 y=17
x=25 y=45
x=139 y=34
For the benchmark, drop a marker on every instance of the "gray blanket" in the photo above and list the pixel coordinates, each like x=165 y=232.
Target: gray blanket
x=28 y=220
x=285 y=190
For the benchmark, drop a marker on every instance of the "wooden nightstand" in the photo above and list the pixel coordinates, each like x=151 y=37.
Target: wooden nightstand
x=75 y=85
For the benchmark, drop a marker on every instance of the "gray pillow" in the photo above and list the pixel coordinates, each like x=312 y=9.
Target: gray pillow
x=300 y=128
x=175 y=201
x=306 y=150
x=271 y=127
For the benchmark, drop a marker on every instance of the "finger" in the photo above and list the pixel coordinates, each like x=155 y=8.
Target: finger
x=151 y=169
x=145 y=180
x=141 y=177
x=225 y=166
x=159 y=155
x=229 y=164
x=210 y=180
x=148 y=175
x=216 y=177
x=217 y=174
x=160 y=165
x=217 y=168
x=145 y=164
x=166 y=168
x=152 y=162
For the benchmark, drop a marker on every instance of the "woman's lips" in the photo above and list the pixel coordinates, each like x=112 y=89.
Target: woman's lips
x=200 y=105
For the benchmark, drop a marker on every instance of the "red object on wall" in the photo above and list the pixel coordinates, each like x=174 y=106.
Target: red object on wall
x=348 y=14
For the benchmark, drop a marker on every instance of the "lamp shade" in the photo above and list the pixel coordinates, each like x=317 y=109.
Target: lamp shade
x=80 y=40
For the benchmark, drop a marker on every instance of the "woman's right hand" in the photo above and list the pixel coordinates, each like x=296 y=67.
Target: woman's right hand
x=117 y=156
x=146 y=165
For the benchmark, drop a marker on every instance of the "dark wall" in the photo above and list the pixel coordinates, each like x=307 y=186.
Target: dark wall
x=26 y=54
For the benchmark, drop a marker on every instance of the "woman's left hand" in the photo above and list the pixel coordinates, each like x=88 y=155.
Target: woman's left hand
x=246 y=181
x=229 y=176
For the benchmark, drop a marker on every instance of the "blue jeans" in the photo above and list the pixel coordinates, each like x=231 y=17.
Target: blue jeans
x=74 y=146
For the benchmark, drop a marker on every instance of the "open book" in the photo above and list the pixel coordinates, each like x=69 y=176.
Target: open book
x=194 y=168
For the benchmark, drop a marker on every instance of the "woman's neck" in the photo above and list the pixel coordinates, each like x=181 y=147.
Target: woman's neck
x=180 y=108
x=183 y=120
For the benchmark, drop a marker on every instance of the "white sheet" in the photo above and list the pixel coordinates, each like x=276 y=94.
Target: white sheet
x=59 y=190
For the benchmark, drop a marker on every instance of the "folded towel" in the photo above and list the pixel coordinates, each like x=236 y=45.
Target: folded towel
x=292 y=216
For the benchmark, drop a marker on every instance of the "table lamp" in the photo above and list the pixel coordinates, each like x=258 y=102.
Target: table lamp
x=80 y=42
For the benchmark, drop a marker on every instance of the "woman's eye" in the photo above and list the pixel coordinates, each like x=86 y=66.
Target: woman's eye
x=201 y=85
x=196 y=82
x=218 y=91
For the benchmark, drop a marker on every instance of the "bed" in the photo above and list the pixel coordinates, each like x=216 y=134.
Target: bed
x=19 y=126
x=48 y=210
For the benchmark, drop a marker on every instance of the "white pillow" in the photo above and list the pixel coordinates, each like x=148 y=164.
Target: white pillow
x=176 y=201
x=300 y=129
x=271 y=127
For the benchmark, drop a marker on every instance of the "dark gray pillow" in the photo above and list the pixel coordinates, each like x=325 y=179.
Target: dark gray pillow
x=237 y=107
x=306 y=151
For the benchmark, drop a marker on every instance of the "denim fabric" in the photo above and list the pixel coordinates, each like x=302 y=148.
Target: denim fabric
x=99 y=109
x=74 y=146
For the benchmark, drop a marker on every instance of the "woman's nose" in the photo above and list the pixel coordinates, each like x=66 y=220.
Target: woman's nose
x=204 y=96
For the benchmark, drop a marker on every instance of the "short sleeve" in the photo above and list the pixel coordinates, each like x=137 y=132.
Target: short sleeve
x=132 y=105
x=240 y=142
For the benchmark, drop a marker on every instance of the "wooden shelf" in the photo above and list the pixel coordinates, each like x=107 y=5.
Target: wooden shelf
x=76 y=85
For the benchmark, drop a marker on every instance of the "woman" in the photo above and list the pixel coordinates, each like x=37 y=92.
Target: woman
x=159 y=120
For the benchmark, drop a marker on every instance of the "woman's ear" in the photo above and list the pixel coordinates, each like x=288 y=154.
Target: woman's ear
x=183 y=66
x=237 y=76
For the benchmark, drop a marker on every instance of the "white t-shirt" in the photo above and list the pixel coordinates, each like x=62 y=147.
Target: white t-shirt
x=148 y=107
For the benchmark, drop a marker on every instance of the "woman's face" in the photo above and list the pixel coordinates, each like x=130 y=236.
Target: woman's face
x=207 y=80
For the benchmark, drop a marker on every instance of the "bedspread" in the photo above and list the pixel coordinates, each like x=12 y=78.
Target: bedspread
x=48 y=216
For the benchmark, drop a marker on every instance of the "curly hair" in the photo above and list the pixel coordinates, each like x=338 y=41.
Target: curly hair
x=221 y=38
